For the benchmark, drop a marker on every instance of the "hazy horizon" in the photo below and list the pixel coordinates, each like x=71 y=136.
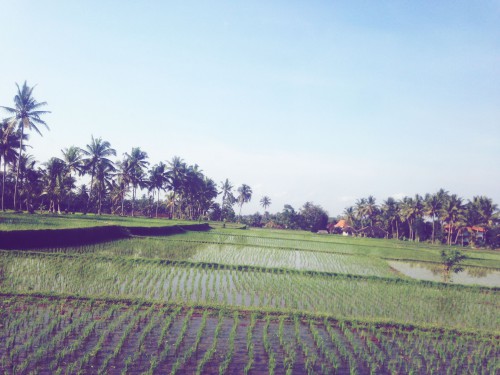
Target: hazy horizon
x=322 y=102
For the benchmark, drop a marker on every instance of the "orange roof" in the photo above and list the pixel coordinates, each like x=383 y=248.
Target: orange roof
x=477 y=229
x=473 y=228
x=341 y=224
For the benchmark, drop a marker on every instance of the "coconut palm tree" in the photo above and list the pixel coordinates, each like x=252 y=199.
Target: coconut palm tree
x=177 y=172
x=124 y=177
x=103 y=182
x=390 y=210
x=452 y=214
x=137 y=164
x=433 y=203
x=10 y=142
x=349 y=215
x=228 y=198
x=482 y=211
x=265 y=202
x=73 y=164
x=244 y=196
x=206 y=196
x=96 y=154
x=53 y=178
x=26 y=116
x=370 y=209
x=158 y=179
x=30 y=178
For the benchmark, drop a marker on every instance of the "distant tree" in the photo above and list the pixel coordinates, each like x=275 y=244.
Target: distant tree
x=158 y=179
x=390 y=211
x=244 y=195
x=288 y=218
x=349 y=215
x=411 y=211
x=96 y=157
x=228 y=198
x=10 y=142
x=73 y=164
x=26 y=116
x=136 y=163
x=54 y=183
x=452 y=214
x=122 y=183
x=314 y=217
x=31 y=181
x=177 y=173
x=103 y=183
x=433 y=203
x=265 y=202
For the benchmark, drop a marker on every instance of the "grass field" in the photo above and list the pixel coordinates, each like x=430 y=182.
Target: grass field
x=16 y=221
x=241 y=300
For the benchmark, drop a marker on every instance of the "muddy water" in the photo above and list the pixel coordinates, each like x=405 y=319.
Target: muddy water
x=433 y=272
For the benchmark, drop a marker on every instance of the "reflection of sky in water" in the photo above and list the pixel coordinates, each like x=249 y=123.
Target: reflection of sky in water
x=433 y=272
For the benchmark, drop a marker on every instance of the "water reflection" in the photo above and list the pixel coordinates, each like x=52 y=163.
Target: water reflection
x=434 y=272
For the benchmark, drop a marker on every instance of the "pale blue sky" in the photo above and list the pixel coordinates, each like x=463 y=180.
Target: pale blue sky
x=319 y=101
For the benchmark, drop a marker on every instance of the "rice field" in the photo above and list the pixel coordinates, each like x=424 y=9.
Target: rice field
x=63 y=336
x=337 y=295
x=242 y=301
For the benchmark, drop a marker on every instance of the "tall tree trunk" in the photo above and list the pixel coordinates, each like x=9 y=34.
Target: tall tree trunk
x=433 y=226
x=3 y=183
x=157 y=203
x=133 y=200
x=18 y=165
x=90 y=192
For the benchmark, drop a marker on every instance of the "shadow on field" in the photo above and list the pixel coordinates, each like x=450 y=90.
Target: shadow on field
x=41 y=238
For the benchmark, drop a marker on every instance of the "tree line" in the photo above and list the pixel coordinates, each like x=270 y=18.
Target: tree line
x=440 y=217
x=114 y=184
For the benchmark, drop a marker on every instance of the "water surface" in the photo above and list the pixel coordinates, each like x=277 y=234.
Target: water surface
x=434 y=272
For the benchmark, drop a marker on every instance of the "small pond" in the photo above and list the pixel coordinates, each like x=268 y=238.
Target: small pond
x=433 y=272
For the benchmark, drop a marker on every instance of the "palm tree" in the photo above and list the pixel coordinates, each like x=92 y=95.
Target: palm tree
x=30 y=178
x=104 y=182
x=97 y=153
x=452 y=213
x=158 y=179
x=390 y=210
x=265 y=202
x=228 y=198
x=349 y=216
x=25 y=115
x=124 y=181
x=191 y=188
x=432 y=205
x=137 y=163
x=73 y=163
x=9 y=144
x=206 y=196
x=244 y=196
x=482 y=211
x=370 y=209
x=54 y=176
x=177 y=171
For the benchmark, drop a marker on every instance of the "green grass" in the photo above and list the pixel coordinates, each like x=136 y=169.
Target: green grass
x=16 y=221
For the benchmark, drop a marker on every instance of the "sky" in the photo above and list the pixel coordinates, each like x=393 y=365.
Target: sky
x=322 y=101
